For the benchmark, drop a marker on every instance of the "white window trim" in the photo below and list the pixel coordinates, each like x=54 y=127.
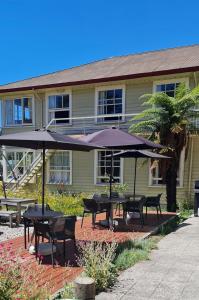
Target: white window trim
x=95 y=169
x=65 y=92
x=4 y=125
x=105 y=88
x=71 y=170
x=172 y=80
x=181 y=173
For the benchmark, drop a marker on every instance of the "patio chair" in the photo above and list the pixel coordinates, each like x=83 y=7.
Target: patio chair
x=154 y=201
x=91 y=206
x=44 y=249
x=58 y=229
x=135 y=207
x=62 y=229
x=28 y=223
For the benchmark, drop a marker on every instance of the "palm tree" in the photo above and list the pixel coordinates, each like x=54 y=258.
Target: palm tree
x=168 y=121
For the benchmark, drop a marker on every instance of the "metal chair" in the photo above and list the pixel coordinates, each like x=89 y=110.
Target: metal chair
x=154 y=201
x=28 y=223
x=91 y=206
x=58 y=229
x=135 y=206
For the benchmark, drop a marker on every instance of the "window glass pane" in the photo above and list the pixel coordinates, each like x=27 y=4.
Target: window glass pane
x=61 y=114
x=58 y=101
x=160 y=88
x=110 y=94
x=17 y=111
x=170 y=87
x=118 y=93
x=66 y=101
x=27 y=110
x=9 y=112
x=51 y=101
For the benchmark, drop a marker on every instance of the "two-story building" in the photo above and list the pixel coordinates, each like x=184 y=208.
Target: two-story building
x=88 y=98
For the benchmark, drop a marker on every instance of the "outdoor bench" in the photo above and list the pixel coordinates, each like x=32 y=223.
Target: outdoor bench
x=10 y=214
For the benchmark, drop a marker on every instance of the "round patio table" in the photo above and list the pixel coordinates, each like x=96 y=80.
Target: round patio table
x=110 y=221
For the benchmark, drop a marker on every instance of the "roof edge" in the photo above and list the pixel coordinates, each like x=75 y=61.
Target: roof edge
x=103 y=79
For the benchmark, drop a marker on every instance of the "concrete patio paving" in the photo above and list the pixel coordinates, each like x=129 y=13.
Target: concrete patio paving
x=172 y=272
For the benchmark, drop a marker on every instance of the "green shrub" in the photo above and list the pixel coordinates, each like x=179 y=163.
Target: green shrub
x=131 y=252
x=97 y=260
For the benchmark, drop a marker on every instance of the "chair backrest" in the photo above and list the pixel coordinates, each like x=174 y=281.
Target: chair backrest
x=90 y=205
x=63 y=227
x=153 y=200
x=42 y=229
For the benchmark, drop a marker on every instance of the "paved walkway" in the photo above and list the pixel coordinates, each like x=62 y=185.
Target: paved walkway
x=172 y=272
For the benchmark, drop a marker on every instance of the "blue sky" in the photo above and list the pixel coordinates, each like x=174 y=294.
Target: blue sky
x=42 y=36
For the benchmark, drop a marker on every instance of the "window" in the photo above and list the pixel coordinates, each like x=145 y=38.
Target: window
x=60 y=168
x=168 y=88
x=18 y=111
x=110 y=102
x=155 y=176
x=103 y=167
x=59 y=108
x=13 y=158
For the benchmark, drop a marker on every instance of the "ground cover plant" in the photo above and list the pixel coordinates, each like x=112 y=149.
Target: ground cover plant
x=17 y=280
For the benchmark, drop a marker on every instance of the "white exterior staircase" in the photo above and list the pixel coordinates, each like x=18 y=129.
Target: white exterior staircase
x=16 y=184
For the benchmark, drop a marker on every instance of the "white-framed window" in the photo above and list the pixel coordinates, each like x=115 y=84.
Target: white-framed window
x=15 y=162
x=103 y=167
x=168 y=86
x=110 y=103
x=59 y=107
x=60 y=168
x=19 y=111
x=155 y=176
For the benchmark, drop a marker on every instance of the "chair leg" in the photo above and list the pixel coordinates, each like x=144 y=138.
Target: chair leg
x=28 y=234
x=64 y=249
x=52 y=253
x=25 y=241
x=146 y=211
x=82 y=220
x=160 y=209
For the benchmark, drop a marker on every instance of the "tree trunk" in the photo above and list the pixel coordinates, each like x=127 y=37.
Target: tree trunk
x=171 y=184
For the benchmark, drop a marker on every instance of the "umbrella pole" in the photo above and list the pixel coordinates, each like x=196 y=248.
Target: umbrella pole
x=43 y=179
x=111 y=175
x=135 y=174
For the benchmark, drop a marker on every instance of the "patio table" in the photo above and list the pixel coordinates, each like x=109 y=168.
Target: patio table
x=18 y=202
x=110 y=222
x=36 y=215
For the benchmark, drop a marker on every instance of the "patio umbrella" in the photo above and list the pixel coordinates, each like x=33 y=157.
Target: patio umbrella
x=139 y=154
x=114 y=138
x=45 y=139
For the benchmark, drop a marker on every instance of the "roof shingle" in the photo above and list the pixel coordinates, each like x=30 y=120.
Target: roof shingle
x=130 y=66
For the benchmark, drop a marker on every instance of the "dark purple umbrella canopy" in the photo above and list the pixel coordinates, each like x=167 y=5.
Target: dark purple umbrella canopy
x=139 y=154
x=40 y=139
x=45 y=139
x=114 y=138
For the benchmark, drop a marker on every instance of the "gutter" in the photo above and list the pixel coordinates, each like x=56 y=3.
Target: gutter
x=100 y=80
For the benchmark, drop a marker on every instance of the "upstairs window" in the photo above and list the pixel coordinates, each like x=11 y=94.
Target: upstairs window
x=168 y=88
x=59 y=108
x=110 y=103
x=18 y=111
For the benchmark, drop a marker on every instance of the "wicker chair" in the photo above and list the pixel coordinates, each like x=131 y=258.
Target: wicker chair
x=135 y=206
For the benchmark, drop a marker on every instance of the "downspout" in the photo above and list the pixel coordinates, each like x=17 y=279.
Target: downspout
x=42 y=106
x=190 y=168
